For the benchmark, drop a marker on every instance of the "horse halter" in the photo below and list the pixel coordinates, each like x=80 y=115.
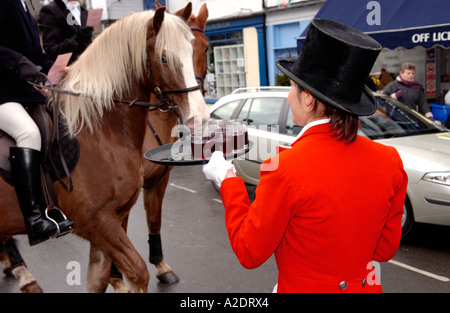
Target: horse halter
x=200 y=79
x=163 y=100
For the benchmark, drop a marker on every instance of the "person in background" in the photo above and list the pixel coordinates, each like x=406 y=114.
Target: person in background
x=64 y=30
x=447 y=98
x=21 y=61
x=409 y=92
x=333 y=202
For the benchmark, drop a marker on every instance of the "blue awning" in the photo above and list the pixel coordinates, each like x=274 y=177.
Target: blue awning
x=393 y=23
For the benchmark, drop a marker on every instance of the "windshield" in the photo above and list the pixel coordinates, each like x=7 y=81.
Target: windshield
x=393 y=119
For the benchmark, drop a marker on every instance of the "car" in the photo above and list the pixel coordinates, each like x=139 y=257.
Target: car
x=423 y=145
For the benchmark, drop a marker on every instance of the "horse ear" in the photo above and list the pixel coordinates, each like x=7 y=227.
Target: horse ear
x=202 y=16
x=158 y=19
x=185 y=13
x=158 y=5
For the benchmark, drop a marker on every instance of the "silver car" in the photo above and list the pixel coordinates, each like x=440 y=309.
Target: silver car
x=423 y=146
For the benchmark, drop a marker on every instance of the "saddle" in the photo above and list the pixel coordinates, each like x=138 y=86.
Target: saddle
x=59 y=151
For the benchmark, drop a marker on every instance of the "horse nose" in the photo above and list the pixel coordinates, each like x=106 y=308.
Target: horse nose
x=196 y=122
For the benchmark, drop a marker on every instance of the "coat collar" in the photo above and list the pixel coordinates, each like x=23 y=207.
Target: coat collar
x=319 y=126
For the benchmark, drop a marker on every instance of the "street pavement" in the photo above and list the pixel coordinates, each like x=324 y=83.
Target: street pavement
x=196 y=246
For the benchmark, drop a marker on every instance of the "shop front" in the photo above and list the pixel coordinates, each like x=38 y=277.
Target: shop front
x=415 y=31
x=236 y=57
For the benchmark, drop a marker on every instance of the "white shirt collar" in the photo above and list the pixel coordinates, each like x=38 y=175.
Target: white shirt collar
x=74 y=8
x=71 y=4
x=309 y=125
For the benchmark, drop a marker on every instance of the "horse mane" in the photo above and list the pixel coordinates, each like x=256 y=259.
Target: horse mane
x=114 y=62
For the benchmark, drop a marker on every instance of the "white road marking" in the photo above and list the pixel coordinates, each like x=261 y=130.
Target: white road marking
x=414 y=269
x=183 y=188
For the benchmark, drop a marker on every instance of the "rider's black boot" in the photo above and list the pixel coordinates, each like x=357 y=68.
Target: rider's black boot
x=25 y=169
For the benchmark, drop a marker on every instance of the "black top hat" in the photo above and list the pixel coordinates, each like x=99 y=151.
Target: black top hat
x=334 y=65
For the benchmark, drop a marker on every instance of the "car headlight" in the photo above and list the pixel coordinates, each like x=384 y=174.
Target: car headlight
x=438 y=177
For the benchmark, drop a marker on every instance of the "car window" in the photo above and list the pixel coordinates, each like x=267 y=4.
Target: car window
x=225 y=111
x=244 y=111
x=291 y=128
x=265 y=111
x=393 y=119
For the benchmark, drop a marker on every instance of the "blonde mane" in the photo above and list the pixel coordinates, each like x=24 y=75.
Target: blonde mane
x=114 y=63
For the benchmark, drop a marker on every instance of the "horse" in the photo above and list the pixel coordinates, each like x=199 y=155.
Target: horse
x=141 y=57
x=160 y=132
x=156 y=177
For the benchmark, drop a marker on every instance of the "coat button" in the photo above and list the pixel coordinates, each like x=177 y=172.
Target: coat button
x=343 y=285
x=364 y=282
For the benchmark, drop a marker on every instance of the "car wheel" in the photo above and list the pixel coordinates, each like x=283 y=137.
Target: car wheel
x=407 y=219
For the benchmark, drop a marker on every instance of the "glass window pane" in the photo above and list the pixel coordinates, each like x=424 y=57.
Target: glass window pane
x=291 y=128
x=225 y=111
x=265 y=111
x=244 y=111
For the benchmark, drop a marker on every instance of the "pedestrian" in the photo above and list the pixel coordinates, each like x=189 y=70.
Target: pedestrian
x=21 y=60
x=447 y=98
x=333 y=202
x=409 y=92
x=64 y=30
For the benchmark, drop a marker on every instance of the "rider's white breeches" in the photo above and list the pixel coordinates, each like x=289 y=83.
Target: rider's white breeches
x=16 y=122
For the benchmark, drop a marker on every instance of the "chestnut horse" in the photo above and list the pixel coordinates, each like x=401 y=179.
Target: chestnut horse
x=143 y=53
x=156 y=177
x=162 y=130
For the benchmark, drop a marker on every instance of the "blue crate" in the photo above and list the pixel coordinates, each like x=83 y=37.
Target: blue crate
x=441 y=112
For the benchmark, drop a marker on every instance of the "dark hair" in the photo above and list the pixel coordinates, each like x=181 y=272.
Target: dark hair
x=345 y=125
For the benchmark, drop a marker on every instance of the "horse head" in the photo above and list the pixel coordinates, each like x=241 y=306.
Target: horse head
x=170 y=64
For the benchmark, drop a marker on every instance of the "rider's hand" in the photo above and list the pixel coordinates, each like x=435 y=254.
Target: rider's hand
x=217 y=167
x=28 y=71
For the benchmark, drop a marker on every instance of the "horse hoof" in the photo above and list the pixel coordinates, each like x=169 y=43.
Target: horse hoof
x=168 y=278
x=32 y=287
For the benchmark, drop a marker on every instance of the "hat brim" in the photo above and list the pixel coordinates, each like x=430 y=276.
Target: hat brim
x=366 y=106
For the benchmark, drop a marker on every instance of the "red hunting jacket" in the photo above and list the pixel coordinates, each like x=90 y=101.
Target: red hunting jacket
x=325 y=208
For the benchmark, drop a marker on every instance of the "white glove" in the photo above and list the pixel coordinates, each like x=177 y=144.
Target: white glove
x=217 y=167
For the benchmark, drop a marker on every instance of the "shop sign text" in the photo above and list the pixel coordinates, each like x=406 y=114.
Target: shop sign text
x=431 y=37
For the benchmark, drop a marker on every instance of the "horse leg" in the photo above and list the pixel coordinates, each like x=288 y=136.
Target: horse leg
x=115 y=276
x=14 y=265
x=98 y=271
x=153 y=197
x=114 y=243
x=116 y=280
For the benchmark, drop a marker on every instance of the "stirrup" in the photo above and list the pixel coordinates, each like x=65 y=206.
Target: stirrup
x=55 y=215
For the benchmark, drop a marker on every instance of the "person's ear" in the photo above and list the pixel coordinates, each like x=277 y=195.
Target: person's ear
x=309 y=100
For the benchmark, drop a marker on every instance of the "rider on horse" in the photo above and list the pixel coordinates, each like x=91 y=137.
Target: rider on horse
x=21 y=60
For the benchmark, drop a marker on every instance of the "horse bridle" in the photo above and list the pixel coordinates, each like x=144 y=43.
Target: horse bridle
x=200 y=79
x=161 y=95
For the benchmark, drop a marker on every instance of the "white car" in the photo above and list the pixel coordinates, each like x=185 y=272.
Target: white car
x=423 y=145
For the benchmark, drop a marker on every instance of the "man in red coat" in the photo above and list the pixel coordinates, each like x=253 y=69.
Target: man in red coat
x=334 y=202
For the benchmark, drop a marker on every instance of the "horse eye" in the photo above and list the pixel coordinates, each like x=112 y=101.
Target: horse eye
x=163 y=59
